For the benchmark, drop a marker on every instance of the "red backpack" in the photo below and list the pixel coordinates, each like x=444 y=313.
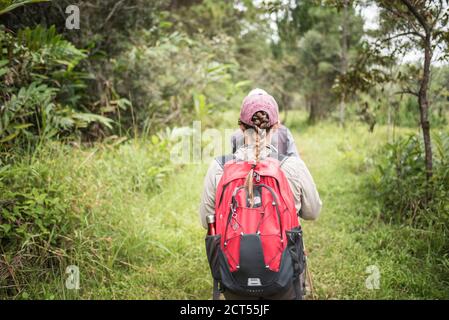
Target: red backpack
x=257 y=251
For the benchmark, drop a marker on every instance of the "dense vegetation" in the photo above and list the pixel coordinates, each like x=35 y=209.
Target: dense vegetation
x=89 y=117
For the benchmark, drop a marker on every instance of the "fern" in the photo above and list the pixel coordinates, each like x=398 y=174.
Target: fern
x=51 y=47
x=44 y=101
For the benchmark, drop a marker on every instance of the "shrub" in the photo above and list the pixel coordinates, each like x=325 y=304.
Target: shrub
x=50 y=203
x=176 y=79
x=401 y=186
x=38 y=209
x=40 y=88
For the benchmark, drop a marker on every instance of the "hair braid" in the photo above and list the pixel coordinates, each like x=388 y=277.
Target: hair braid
x=261 y=127
x=257 y=145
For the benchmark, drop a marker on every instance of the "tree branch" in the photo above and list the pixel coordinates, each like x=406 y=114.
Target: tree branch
x=114 y=9
x=421 y=19
x=402 y=35
x=437 y=16
x=407 y=91
x=403 y=15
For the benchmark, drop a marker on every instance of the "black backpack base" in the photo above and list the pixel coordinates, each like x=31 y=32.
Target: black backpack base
x=253 y=280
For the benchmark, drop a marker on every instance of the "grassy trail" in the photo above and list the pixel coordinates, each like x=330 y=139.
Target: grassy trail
x=153 y=245
x=346 y=239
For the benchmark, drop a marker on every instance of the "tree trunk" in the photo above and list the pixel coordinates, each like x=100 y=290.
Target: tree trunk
x=388 y=117
x=422 y=18
x=316 y=109
x=344 y=58
x=424 y=107
x=342 y=109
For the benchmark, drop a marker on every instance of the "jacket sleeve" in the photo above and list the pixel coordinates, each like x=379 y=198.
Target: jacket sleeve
x=307 y=199
x=207 y=205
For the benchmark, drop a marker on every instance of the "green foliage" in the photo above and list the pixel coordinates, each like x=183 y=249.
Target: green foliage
x=400 y=182
x=41 y=90
x=217 y=18
x=171 y=81
x=139 y=170
x=38 y=208
x=34 y=205
x=19 y=112
x=390 y=109
x=311 y=34
x=439 y=95
x=49 y=201
x=405 y=112
x=9 y=5
x=128 y=218
x=415 y=205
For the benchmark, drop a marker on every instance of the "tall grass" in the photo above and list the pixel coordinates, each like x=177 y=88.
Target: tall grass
x=66 y=206
x=351 y=234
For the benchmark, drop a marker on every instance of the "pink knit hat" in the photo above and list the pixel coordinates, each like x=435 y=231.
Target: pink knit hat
x=259 y=100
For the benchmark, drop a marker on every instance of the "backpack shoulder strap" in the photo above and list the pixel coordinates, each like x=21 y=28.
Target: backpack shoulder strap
x=223 y=159
x=281 y=157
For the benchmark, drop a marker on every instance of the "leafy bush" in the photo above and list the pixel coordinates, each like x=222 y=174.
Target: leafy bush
x=176 y=79
x=419 y=207
x=40 y=87
x=385 y=106
x=400 y=182
x=38 y=209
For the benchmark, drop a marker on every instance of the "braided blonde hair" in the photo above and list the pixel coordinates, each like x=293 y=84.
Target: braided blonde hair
x=261 y=126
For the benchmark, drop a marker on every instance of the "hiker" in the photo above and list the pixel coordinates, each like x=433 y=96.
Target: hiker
x=281 y=137
x=260 y=194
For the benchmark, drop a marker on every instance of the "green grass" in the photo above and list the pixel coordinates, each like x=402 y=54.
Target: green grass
x=137 y=241
x=349 y=236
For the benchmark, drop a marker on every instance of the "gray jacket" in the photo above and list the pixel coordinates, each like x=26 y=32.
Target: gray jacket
x=307 y=199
